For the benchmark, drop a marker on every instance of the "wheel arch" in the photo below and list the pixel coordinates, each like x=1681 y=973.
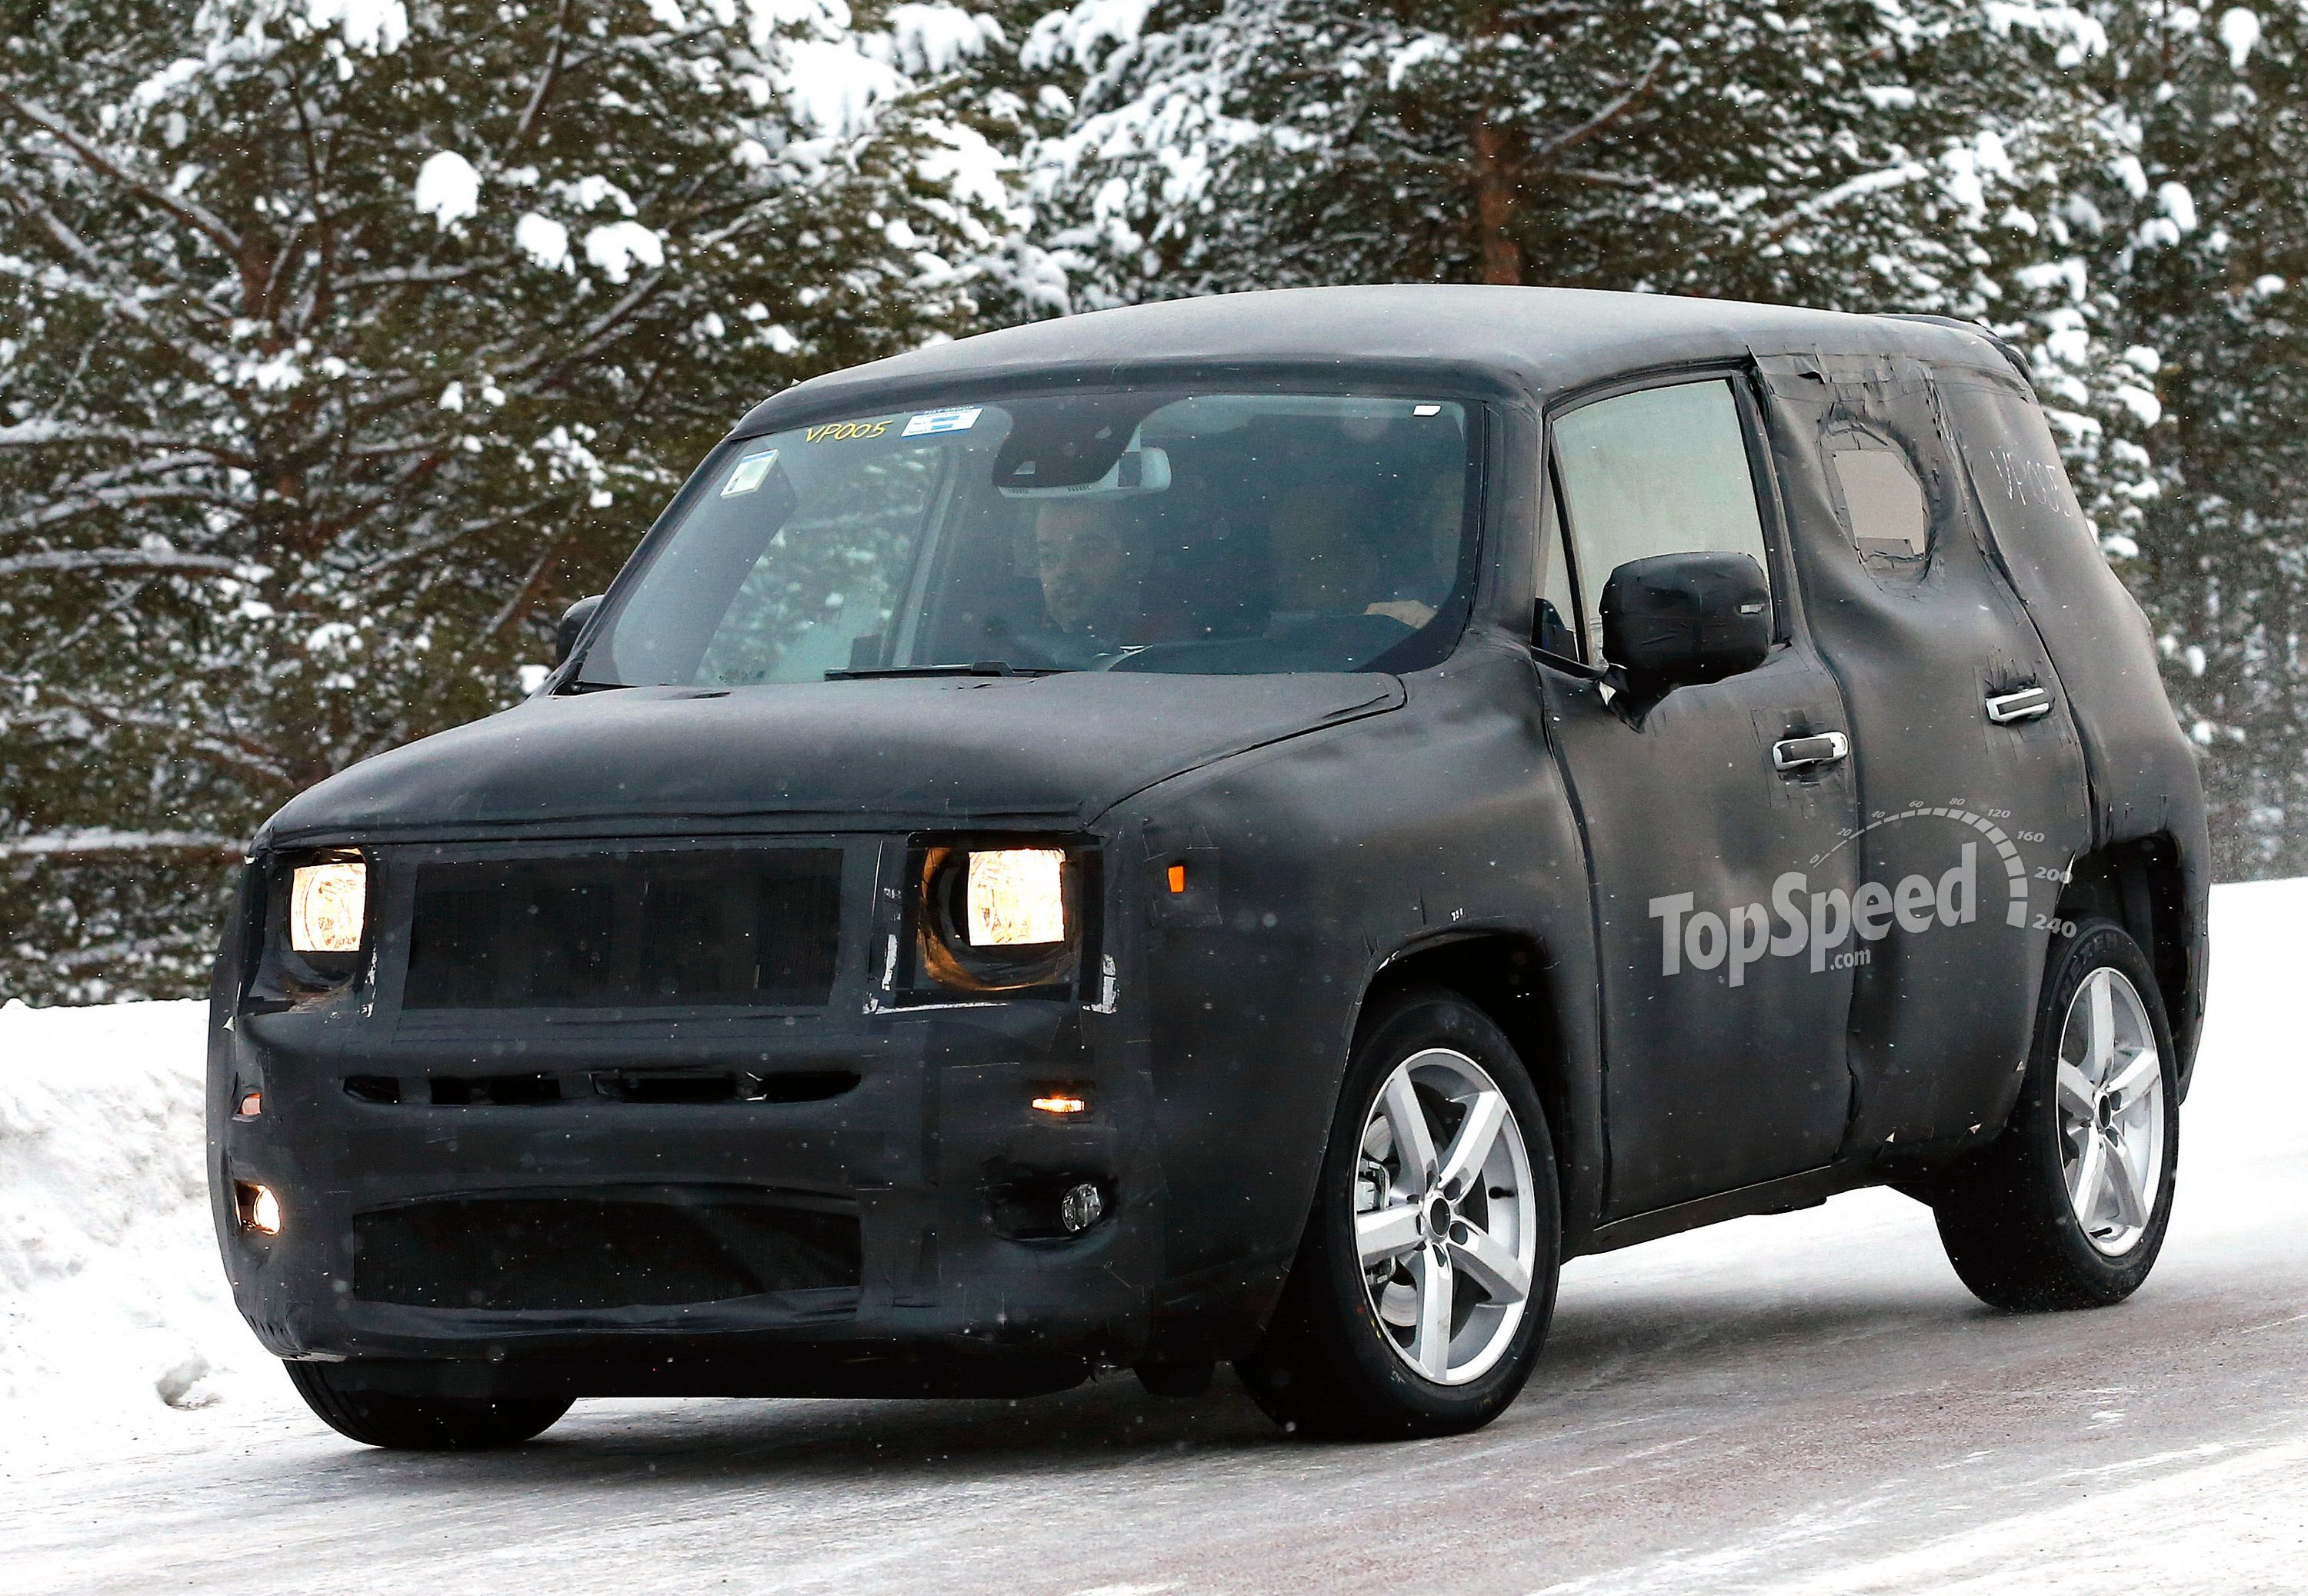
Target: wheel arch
x=2141 y=885
x=1505 y=975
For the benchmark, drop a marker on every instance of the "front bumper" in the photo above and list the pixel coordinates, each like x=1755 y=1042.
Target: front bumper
x=960 y=1284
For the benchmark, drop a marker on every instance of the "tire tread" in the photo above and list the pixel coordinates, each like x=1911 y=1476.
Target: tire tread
x=421 y=1423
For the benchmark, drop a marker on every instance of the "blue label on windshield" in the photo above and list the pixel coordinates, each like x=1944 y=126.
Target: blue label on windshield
x=749 y=473
x=930 y=421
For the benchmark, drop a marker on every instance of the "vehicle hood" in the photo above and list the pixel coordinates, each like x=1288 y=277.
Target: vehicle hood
x=890 y=752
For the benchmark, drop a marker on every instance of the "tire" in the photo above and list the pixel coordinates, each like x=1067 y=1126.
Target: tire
x=2012 y=1231
x=420 y=1423
x=1348 y=1357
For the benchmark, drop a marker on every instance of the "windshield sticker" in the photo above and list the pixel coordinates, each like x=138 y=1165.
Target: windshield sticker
x=840 y=432
x=749 y=473
x=930 y=422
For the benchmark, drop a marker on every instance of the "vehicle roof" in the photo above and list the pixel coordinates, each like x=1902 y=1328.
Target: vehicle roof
x=1542 y=340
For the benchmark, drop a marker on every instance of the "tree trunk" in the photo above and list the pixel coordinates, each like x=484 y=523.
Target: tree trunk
x=1494 y=202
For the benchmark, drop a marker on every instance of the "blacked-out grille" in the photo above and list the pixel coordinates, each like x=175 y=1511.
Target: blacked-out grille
x=640 y=929
x=537 y=1252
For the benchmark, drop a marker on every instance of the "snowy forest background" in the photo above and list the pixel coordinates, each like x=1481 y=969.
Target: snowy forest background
x=344 y=342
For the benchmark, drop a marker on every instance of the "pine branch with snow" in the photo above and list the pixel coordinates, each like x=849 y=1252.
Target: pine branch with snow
x=342 y=342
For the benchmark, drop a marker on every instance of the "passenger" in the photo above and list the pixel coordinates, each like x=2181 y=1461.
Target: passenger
x=1327 y=564
x=1320 y=568
x=1438 y=514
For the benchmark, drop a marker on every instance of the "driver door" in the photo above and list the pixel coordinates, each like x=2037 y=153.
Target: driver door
x=1723 y=1026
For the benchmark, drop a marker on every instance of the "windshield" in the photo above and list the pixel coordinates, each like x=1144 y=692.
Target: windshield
x=1141 y=530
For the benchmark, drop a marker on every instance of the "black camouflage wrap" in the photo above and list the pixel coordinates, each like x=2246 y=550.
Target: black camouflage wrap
x=1492 y=823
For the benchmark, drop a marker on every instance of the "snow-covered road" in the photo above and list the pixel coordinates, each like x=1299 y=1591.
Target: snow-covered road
x=1808 y=1403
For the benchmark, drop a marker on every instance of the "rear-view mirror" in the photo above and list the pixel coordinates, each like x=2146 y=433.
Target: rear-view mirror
x=1135 y=471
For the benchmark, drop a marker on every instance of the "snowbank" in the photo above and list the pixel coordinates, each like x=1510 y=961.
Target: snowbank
x=113 y=1307
x=114 y=1317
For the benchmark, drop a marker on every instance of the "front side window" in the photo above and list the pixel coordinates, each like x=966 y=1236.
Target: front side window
x=1139 y=530
x=1553 y=631
x=1661 y=471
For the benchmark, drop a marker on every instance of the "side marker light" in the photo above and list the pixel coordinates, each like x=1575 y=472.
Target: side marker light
x=1178 y=878
x=1061 y=1103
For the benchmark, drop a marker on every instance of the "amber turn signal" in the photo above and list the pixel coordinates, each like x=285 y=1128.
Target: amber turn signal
x=1178 y=878
x=250 y=1104
x=1061 y=1103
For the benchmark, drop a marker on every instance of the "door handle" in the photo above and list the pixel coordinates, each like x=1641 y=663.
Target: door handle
x=2026 y=704
x=1801 y=753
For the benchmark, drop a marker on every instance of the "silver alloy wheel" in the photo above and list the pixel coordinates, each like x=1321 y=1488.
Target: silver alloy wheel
x=1446 y=1224
x=2110 y=1111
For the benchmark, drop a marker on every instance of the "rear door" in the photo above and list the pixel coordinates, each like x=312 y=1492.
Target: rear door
x=1723 y=1036
x=1970 y=778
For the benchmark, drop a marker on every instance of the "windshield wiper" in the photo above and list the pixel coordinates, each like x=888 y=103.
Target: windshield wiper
x=984 y=667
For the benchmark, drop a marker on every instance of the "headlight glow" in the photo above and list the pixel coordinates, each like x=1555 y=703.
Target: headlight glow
x=1017 y=898
x=327 y=903
x=1000 y=921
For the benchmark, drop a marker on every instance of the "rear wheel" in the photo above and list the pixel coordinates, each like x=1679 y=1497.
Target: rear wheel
x=1422 y=1289
x=420 y=1423
x=2067 y=1208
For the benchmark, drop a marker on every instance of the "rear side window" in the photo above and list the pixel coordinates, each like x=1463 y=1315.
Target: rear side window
x=1662 y=471
x=1882 y=502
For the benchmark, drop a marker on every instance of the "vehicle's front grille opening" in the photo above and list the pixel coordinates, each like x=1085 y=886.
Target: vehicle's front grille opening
x=682 y=1086
x=618 y=1085
x=640 y=929
x=578 y=1252
x=501 y=1090
x=803 y=1086
x=722 y=1086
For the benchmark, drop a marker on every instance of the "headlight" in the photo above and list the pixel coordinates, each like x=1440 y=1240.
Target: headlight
x=998 y=920
x=328 y=904
x=1017 y=898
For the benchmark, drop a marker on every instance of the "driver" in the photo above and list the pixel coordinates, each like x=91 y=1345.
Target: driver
x=1092 y=584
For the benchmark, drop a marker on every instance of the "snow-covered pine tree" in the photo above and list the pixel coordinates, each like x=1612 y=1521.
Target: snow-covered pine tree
x=1933 y=156
x=1912 y=155
x=343 y=341
x=1831 y=152
x=2196 y=237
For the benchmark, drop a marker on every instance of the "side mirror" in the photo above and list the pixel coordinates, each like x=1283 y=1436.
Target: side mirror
x=571 y=626
x=1678 y=620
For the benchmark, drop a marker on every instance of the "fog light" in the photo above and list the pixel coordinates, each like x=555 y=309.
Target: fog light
x=1082 y=1206
x=260 y=1210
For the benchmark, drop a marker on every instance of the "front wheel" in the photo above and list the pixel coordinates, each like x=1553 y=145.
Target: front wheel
x=2068 y=1208
x=420 y=1423
x=1422 y=1288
